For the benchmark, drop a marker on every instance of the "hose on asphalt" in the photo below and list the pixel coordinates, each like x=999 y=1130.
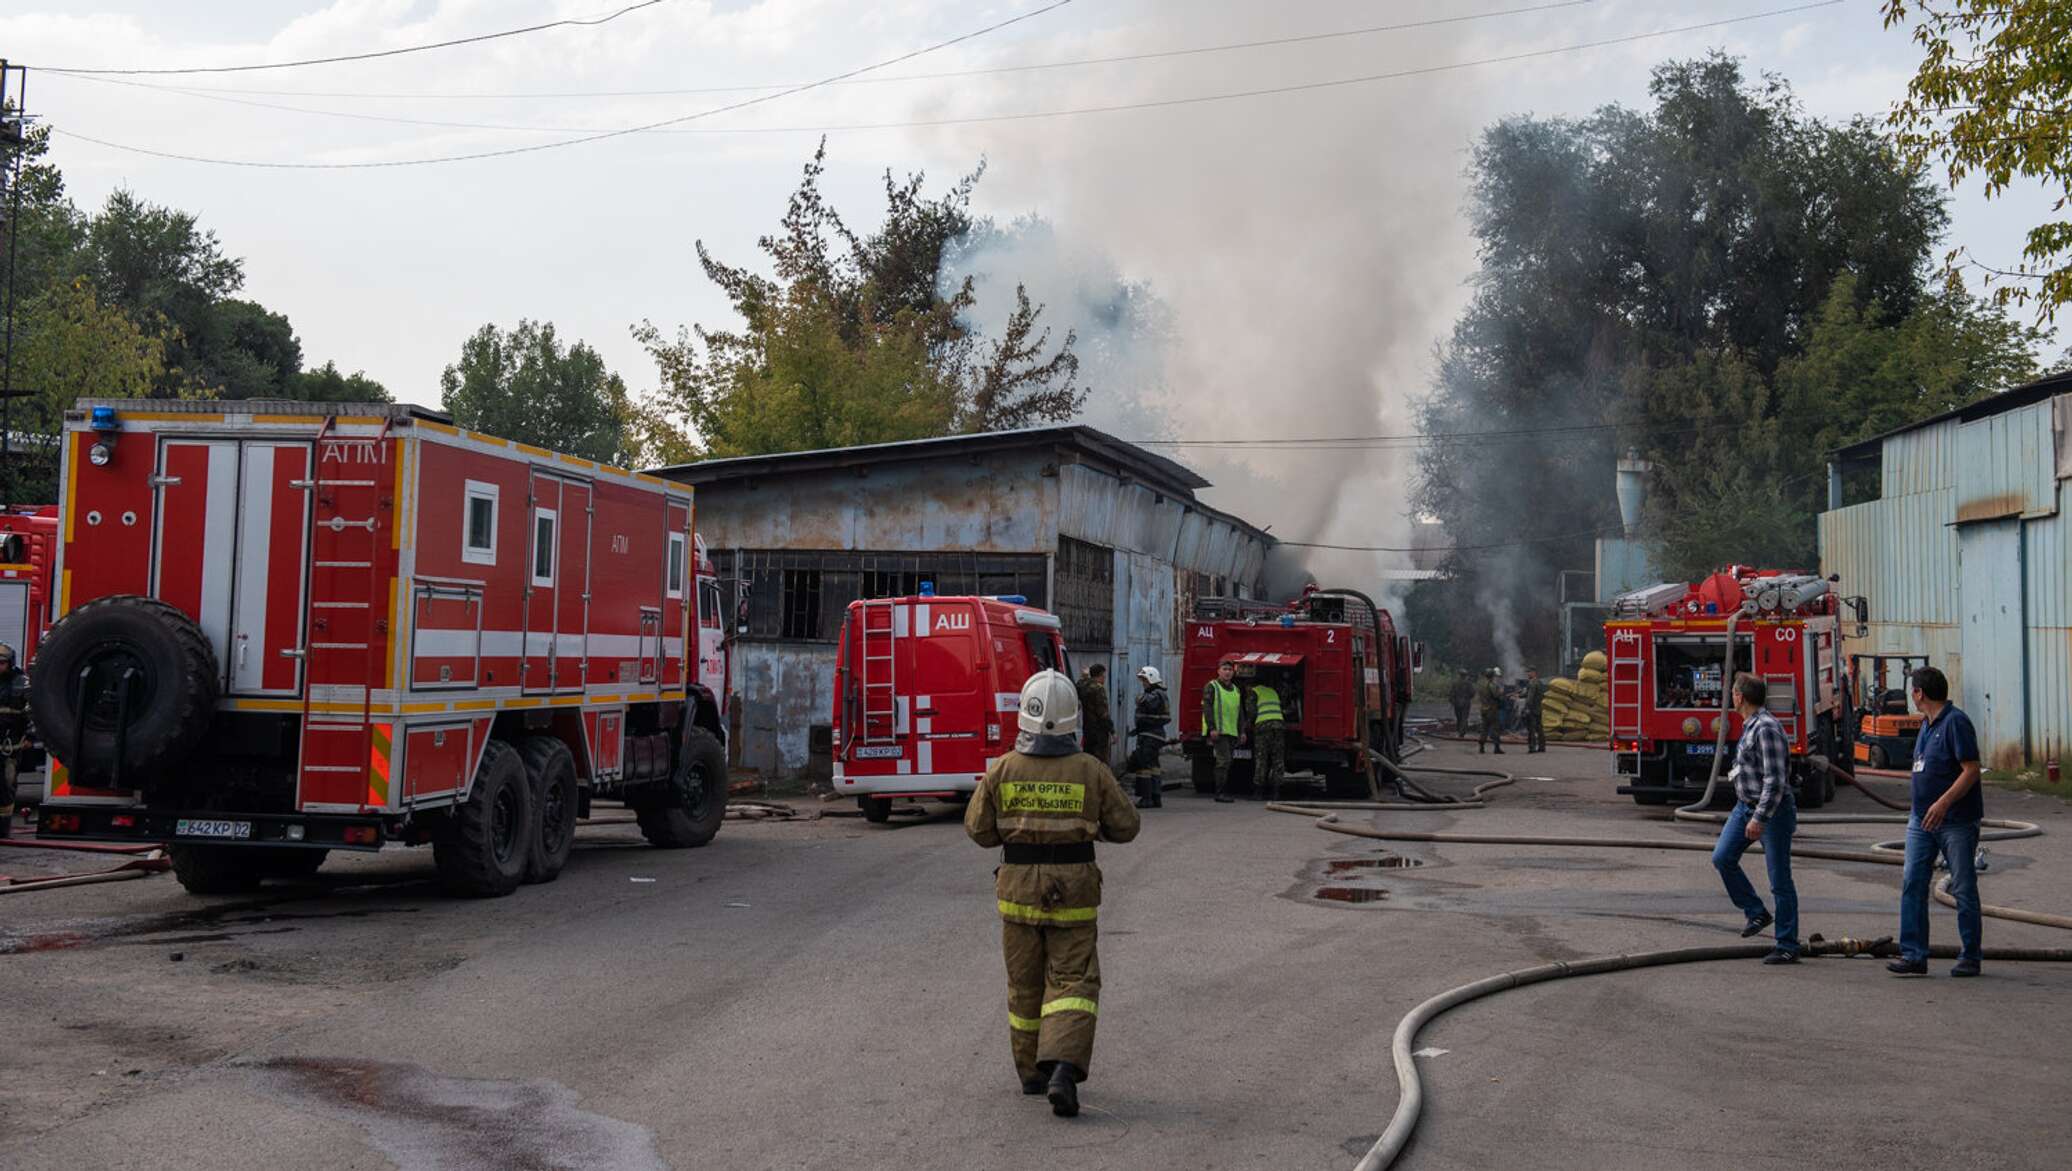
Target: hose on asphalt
x=1410 y=1099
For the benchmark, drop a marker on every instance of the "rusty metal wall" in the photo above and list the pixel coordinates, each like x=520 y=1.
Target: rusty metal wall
x=1005 y=505
x=2006 y=465
x=1097 y=507
x=784 y=688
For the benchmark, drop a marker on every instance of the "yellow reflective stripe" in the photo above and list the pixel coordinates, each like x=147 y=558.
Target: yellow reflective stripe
x=1061 y=915
x=1071 y=1004
x=1022 y=1024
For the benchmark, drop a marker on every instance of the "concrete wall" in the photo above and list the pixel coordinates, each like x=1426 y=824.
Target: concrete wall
x=1967 y=559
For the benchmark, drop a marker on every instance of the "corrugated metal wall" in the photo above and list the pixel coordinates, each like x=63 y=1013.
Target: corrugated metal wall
x=2049 y=563
x=2006 y=465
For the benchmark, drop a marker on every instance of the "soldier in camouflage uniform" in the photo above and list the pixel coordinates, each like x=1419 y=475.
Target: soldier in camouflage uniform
x=1532 y=701
x=1489 y=695
x=1044 y=804
x=1267 y=727
x=1096 y=723
x=1222 y=715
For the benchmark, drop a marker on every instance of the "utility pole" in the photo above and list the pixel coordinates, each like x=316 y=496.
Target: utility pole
x=14 y=138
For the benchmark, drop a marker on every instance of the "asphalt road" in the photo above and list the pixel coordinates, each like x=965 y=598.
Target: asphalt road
x=829 y=994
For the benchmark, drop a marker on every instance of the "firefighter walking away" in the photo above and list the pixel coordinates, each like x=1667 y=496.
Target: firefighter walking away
x=1044 y=804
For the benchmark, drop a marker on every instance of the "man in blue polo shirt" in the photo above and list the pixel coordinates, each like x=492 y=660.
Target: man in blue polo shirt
x=1947 y=810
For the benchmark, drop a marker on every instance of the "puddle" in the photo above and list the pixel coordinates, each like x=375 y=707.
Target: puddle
x=209 y=937
x=424 y=1121
x=1384 y=862
x=49 y=941
x=206 y=925
x=1350 y=894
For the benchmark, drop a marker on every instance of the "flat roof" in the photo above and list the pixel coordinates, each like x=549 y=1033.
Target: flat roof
x=1125 y=456
x=1993 y=404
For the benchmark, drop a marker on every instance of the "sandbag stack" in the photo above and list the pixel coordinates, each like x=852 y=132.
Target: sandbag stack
x=1579 y=709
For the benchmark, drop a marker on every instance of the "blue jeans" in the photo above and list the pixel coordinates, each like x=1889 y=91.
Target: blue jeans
x=1726 y=857
x=1958 y=844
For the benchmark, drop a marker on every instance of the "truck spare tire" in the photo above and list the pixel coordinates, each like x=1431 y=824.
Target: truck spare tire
x=123 y=689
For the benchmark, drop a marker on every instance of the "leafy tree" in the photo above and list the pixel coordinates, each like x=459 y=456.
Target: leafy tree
x=524 y=385
x=327 y=384
x=248 y=350
x=854 y=337
x=1993 y=97
x=69 y=345
x=1660 y=271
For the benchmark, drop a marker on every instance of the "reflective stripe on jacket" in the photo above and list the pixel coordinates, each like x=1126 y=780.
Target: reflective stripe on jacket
x=1049 y=800
x=1220 y=707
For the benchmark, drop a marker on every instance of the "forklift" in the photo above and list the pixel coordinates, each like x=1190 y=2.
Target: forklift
x=1887 y=728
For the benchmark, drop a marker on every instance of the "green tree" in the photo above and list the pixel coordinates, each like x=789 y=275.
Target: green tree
x=855 y=338
x=524 y=385
x=247 y=350
x=1993 y=97
x=69 y=345
x=328 y=384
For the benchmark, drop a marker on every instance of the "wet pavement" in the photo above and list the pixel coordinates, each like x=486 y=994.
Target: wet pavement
x=828 y=994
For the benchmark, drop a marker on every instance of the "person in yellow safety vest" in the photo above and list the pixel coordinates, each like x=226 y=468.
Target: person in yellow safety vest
x=1044 y=804
x=1267 y=728
x=1221 y=717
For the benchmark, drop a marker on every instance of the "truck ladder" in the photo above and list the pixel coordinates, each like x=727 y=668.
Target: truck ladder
x=880 y=673
x=1625 y=692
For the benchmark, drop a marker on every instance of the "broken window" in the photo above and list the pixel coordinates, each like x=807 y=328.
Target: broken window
x=801 y=604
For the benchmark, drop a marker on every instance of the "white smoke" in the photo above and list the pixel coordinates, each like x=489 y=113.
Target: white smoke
x=1310 y=248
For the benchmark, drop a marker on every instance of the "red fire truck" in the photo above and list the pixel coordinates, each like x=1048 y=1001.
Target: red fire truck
x=1666 y=648
x=28 y=554
x=1342 y=671
x=288 y=628
x=926 y=692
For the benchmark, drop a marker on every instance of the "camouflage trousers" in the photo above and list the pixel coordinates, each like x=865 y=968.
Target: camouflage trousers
x=1053 y=995
x=1220 y=748
x=1269 y=758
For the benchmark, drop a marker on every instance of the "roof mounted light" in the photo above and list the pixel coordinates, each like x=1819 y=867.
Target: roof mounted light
x=106 y=425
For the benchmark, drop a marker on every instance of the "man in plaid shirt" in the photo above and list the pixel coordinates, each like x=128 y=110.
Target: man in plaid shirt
x=1764 y=811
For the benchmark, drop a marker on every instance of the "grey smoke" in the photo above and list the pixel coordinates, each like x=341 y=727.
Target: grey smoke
x=1310 y=247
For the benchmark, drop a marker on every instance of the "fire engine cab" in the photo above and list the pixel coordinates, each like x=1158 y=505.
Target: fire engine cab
x=1342 y=671
x=287 y=628
x=1666 y=647
x=28 y=553
x=926 y=692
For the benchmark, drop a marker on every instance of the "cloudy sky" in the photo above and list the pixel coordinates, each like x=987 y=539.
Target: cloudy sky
x=1309 y=243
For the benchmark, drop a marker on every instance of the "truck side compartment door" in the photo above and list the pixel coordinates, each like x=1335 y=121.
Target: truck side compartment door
x=572 y=614
x=543 y=554
x=196 y=562
x=272 y=568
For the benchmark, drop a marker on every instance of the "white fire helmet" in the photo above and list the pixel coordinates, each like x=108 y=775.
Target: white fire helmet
x=1151 y=677
x=1050 y=705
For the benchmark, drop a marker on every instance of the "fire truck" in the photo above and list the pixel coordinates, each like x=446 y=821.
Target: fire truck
x=1342 y=671
x=1666 y=647
x=28 y=552
x=288 y=628
x=927 y=690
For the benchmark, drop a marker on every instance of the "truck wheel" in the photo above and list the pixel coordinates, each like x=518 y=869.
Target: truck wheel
x=1878 y=757
x=1812 y=788
x=483 y=848
x=694 y=810
x=74 y=693
x=876 y=810
x=552 y=770
x=1204 y=773
x=216 y=870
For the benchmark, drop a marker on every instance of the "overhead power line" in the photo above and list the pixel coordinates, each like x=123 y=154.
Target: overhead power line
x=597 y=137
x=1581 y=534
x=1499 y=437
x=1232 y=46
x=570 y=22
x=1084 y=110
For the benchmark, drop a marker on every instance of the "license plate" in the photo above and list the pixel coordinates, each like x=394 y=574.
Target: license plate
x=888 y=752
x=1241 y=754
x=195 y=827
x=1698 y=749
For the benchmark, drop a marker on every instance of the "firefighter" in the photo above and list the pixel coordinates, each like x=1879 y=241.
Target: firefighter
x=1044 y=804
x=1490 y=695
x=14 y=728
x=1267 y=727
x=1154 y=712
x=1097 y=725
x=1532 y=697
x=1221 y=705
x=1463 y=698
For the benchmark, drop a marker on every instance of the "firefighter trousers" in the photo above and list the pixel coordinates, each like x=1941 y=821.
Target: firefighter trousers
x=1053 y=995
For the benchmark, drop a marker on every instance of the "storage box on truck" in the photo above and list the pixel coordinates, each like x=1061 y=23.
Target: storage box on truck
x=287 y=628
x=926 y=691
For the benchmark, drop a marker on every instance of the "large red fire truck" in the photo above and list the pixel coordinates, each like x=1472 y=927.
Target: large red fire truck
x=288 y=628
x=926 y=693
x=28 y=554
x=1666 y=647
x=1342 y=671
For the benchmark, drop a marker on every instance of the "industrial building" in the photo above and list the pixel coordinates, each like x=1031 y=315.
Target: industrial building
x=1964 y=551
x=1104 y=533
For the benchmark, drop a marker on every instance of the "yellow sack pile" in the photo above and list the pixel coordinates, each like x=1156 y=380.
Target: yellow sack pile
x=1579 y=709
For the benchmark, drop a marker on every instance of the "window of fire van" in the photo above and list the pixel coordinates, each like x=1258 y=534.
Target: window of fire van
x=1687 y=670
x=709 y=606
x=676 y=551
x=478 y=524
x=543 y=546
